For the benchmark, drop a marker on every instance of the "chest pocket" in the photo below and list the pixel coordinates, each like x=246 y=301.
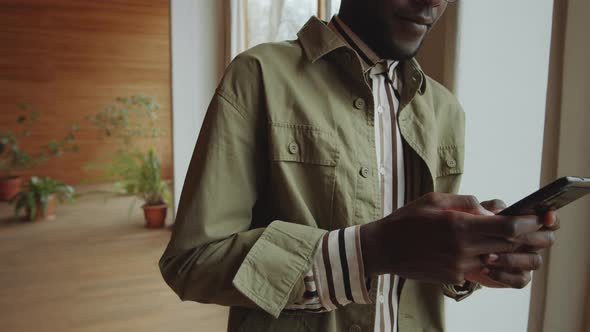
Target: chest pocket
x=303 y=162
x=303 y=144
x=449 y=168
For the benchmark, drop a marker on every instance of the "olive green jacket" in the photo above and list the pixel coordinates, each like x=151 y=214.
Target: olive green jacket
x=253 y=208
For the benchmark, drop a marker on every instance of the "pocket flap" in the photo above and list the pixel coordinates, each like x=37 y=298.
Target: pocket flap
x=300 y=143
x=450 y=160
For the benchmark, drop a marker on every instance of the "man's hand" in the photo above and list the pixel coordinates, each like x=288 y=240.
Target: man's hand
x=441 y=237
x=513 y=270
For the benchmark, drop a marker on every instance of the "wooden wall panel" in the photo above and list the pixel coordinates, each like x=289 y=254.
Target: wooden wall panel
x=69 y=58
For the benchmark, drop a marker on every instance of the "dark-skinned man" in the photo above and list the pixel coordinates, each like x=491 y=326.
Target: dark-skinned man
x=321 y=192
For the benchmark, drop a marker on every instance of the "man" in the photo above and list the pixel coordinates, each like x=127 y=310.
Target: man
x=340 y=131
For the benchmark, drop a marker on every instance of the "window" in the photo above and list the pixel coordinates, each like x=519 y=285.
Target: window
x=259 y=21
x=332 y=7
x=275 y=20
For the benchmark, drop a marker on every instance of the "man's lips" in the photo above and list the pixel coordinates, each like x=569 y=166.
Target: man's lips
x=421 y=20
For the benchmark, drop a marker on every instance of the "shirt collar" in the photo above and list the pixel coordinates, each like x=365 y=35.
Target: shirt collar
x=318 y=40
x=386 y=68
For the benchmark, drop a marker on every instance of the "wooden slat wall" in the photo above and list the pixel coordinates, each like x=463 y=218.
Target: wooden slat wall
x=69 y=58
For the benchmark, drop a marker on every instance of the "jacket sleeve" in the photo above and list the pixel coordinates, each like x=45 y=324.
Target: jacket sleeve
x=215 y=255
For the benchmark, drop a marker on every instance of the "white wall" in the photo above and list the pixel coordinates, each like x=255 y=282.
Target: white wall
x=197 y=63
x=501 y=79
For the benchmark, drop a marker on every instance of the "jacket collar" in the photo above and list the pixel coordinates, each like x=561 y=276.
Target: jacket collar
x=318 y=40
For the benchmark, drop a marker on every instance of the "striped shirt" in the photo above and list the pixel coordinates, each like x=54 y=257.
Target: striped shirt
x=337 y=276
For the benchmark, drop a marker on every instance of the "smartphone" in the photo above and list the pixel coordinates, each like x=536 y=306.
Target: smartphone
x=553 y=196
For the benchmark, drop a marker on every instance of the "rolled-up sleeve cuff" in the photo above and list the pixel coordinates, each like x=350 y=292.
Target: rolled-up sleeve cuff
x=276 y=264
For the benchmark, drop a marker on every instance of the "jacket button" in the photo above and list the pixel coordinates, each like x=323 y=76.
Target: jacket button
x=293 y=148
x=360 y=104
x=355 y=328
x=452 y=163
x=365 y=172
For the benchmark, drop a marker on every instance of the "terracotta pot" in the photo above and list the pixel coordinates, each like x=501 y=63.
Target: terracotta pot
x=49 y=214
x=155 y=215
x=9 y=186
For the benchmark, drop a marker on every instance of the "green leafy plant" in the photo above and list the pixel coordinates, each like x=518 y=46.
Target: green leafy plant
x=133 y=121
x=129 y=119
x=13 y=157
x=37 y=192
x=140 y=176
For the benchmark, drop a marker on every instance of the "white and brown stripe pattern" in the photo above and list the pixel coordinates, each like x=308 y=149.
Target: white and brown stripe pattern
x=310 y=301
x=337 y=277
x=391 y=162
x=339 y=267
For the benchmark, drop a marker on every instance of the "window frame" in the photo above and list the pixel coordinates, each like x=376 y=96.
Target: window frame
x=325 y=10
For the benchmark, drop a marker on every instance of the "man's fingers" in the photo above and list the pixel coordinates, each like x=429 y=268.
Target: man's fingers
x=469 y=264
x=486 y=245
x=536 y=240
x=515 y=261
x=462 y=203
x=502 y=226
x=494 y=205
x=532 y=242
x=514 y=280
x=551 y=221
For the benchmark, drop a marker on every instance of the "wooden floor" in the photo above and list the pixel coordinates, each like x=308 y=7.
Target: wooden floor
x=93 y=268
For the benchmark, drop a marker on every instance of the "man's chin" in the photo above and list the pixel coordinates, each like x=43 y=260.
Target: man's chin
x=401 y=54
x=403 y=51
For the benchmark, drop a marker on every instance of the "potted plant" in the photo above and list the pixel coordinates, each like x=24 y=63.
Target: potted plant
x=13 y=158
x=140 y=175
x=38 y=198
x=133 y=122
